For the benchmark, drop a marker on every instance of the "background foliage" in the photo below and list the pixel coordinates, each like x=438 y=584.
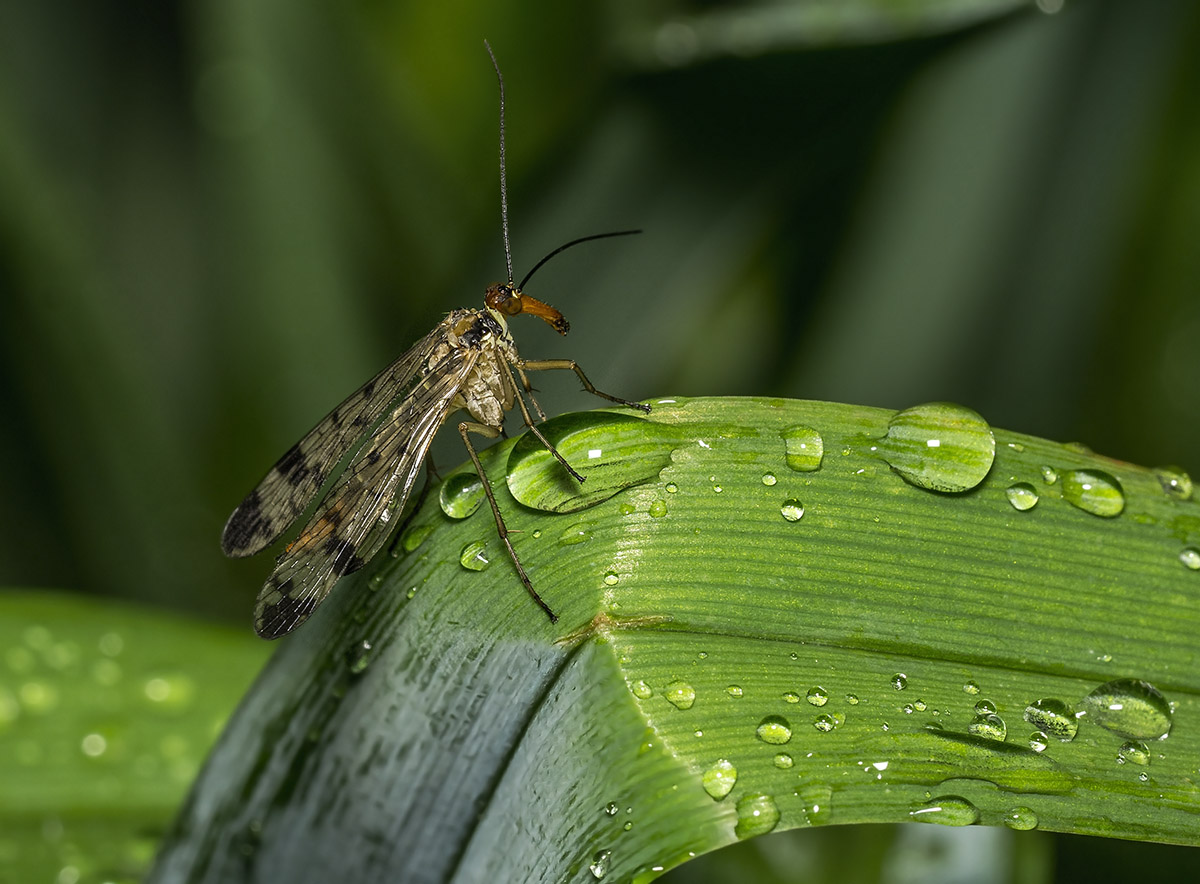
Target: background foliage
x=216 y=219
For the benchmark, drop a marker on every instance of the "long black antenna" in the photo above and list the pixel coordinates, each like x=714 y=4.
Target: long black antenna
x=503 y=178
x=568 y=245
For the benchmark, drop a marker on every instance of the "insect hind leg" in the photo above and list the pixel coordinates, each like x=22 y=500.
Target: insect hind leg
x=572 y=365
x=464 y=429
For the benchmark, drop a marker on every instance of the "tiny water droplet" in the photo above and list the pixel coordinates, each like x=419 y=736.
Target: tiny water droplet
x=990 y=727
x=1016 y=446
x=672 y=488
x=600 y=863
x=577 y=533
x=970 y=687
x=658 y=508
x=611 y=808
x=1190 y=556
x=899 y=681
x=1038 y=741
x=461 y=494
x=359 y=657
x=473 y=556
x=852 y=699
x=1022 y=496
x=414 y=536
x=774 y=729
x=985 y=707
x=948 y=810
x=1133 y=752
x=1093 y=491
x=939 y=446
x=791 y=509
x=1175 y=482
x=680 y=694
x=1021 y=818
x=783 y=761
x=791 y=697
x=803 y=448
x=734 y=691
x=1129 y=707
x=611 y=578
x=817 y=696
x=1053 y=718
x=756 y=815
x=641 y=690
x=719 y=780
x=769 y=479
x=717 y=489
x=1049 y=474
x=826 y=722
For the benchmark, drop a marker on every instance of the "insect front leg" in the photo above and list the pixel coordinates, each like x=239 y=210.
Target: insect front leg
x=529 y=391
x=464 y=429
x=541 y=438
x=572 y=365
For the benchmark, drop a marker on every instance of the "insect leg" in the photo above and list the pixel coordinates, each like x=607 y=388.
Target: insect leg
x=571 y=365
x=529 y=390
x=546 y=442
x=492 y=432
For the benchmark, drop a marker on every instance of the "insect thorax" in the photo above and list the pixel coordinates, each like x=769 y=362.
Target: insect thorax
x=487 y=390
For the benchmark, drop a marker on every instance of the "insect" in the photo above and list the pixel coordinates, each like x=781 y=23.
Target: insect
x=467 y=362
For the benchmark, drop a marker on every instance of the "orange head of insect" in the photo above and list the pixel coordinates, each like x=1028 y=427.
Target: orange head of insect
x=507 y=299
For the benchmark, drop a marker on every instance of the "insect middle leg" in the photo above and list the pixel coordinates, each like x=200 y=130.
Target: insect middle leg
x=523 y=365
x=464 y=429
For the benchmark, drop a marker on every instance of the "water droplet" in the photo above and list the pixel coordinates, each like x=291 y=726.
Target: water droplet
x=600 y=863
x=680 y=694
x=948 y=810
x=791 y=509
x=1053 y=718
x=611 y=578
x=817 y=696
x=613 y=451
x=985 y=707
x=803 y=448
x=1049 y=474
x=756 y=815
x=1021 y=818
x=1190 y=556
x=577 y=533
x=1038 y=741
x=734 y=691
x=1022 y=496
x=717 y=489
x=970 y=687
x=939 y=447
x=461 y=494
x=672 y=488
x=783 y=761
x=1016 y=446
x=826 y=722
x=989 y=727
x=769 y=479
x=658 y=508
x=474 y=556
x=899 y=681
x=359 y=657
x=1093 y=491
x=611 y=808
x=774 y=729
x=791 y=697
x=627 y=826
x=1129 y=707
x=641 y=690
x=414 y=536
x=852 y=699
x=1133 y=752
x=719 y=780
x=1175 y=482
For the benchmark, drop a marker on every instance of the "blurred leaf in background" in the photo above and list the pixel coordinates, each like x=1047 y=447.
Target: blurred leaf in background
x=217 y=219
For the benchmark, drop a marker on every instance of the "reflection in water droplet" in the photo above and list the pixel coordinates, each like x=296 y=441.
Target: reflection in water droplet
x=769 y=479
x=1175 y=482
x=756 y=815
x=461 y=494
x=600 y=863
x=719 y=780
x=1022 y=496
x=1129 y=707
x=658 y=508
x=1093 y=491
x=1038 y=741
x=1190 y=556
x=680 y=694
x=1133 y=752
x=641 y=690
x=1049 y=475
x=939 y=447
x=577 y=533
x=948 y=810
x=791 y=509
x=1053 y=717
x=803 y=448
x=817 y=696
x=774 y=729
x=1021 y=818
x=899 y=681
x=990 y=727
x=473 y=556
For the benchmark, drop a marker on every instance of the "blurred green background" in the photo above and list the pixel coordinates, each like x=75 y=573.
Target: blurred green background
x=218 y=218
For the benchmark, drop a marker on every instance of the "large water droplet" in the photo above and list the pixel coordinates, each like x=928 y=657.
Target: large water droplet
x=719 y=780
x=948 y=810
x=1053 y=717
x=1175 y=482
x=803 y=448
x=612 y=451
x=774 y=729
x=680 y=694
x=756 y=815
x=1093 y=491
x=1022 y=496
x=474 y=556
x=939 y=446
x=1129 y=707
x=461 y=494
x=899 y=681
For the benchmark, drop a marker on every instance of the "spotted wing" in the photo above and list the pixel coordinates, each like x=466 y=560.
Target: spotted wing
x=348 y=527
x=287 y=490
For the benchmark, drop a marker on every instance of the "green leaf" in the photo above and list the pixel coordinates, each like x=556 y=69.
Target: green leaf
x=742 y=647
x=106 y=713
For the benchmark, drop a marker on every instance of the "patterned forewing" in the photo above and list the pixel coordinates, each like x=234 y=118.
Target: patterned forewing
x=345 y=532
x=287 y=490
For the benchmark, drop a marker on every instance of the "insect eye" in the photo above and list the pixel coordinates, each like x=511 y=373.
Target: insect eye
x=504 y=298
